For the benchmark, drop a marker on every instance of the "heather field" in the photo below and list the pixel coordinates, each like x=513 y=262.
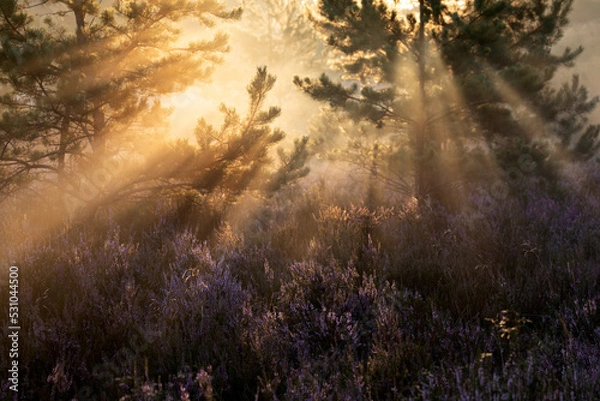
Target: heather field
x=304 y=200
x=318 y=298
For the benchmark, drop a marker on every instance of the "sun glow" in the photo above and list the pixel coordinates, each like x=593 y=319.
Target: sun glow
x=410 y=5
x=403 y=4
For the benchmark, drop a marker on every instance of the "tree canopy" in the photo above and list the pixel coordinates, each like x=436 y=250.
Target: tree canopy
x=82 y=119
x=452 y=78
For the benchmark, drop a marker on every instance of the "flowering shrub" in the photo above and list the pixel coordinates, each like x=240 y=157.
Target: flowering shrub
x=320 y=300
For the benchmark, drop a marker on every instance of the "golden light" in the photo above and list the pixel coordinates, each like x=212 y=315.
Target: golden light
x=402 y=4
x=409 y=5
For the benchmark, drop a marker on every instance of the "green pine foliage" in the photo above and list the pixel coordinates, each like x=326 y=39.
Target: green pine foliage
x=82 y=82
x=239 y=151
x=450 y=79
x=82 y=121
x=212 y=271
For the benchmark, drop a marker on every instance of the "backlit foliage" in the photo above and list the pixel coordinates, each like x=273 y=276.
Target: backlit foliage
x=450 y=79
x=83 y=82
x=214 y=267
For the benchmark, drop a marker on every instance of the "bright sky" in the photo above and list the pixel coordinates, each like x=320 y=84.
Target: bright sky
x=229 y=82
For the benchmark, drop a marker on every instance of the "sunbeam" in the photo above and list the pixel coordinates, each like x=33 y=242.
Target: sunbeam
x=304 y=199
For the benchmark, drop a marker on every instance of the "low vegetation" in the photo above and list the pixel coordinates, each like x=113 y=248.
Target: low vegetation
x=319 y=298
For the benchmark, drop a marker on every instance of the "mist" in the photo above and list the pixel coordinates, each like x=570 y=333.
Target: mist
x=259 y=39
x=248 y=51
x=583 y=30
x=421 y=223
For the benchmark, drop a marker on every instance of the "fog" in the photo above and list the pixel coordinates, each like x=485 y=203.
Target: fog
x=584 y=30
x=258 y=39
x=252 y=45
x=152 y=269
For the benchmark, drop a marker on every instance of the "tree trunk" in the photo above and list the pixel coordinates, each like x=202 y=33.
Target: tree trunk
x=99 y=123
x=62 y=147
x=77 y=8
x=97 y=140
x=421 y=181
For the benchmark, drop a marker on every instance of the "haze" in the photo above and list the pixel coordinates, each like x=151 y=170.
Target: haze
x=229 y=81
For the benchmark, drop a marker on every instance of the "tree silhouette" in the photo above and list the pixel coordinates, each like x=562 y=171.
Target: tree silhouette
x=453 y=82
x=82 y=85
x=223 y=164
x=280 y=33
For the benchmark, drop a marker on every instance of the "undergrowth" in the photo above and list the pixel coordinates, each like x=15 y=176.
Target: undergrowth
x=318 y=300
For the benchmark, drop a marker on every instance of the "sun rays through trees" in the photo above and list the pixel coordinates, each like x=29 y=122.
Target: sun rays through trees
x=473 y=77
x=292 y=200
x=83 y=127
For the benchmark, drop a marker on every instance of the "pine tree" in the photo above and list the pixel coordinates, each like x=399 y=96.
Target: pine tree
x=452 y=78
x=222 y=164
x=279 y=32
x=240 y=150
x=82 y=84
